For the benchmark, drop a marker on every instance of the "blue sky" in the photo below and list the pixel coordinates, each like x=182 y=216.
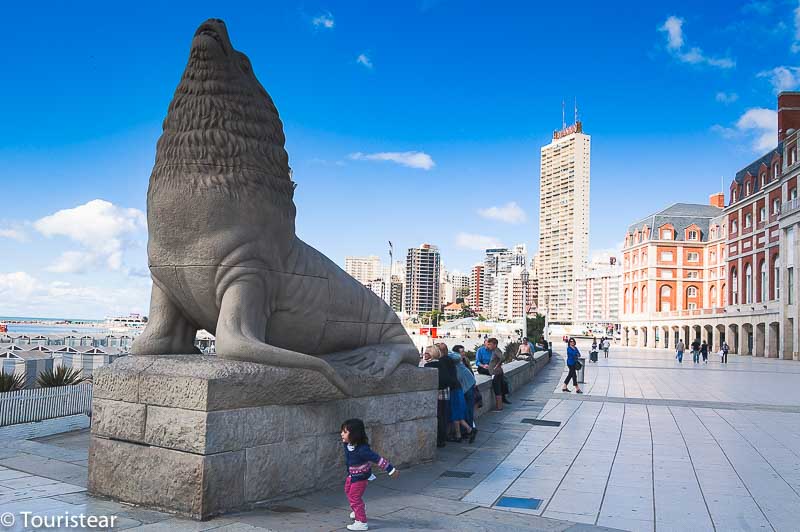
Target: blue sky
x=403 y=121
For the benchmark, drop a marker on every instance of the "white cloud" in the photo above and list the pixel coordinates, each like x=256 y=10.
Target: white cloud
x=673 y=28
x=796 y=43
x=412 y=159
x=24 y=295
x=763 y=123
x=782 y=78
x=758 y=126
x=510 y=213
x=362 y=59
x=324 y=20
x=476 y=242
x=103 y=231
x=13 y=234
x=727 y=97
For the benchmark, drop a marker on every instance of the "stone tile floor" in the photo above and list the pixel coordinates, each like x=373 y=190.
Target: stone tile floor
x=650 y=446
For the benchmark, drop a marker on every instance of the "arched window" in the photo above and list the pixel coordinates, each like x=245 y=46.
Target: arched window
x=724 y=295
x=627 y=302
x=763 y=288
x=644 y=299
x=734 y=287
x=776 y=273
x=748 y=284
x=635 y=300
x=712 y=297
x=691 y=291
x=664 y=303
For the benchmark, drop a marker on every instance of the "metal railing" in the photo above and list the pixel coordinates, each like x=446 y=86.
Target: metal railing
x=37 y=404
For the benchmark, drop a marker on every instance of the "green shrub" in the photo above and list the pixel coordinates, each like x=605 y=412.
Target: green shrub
x=509 y=350
x=11 y=382
x=61 y=376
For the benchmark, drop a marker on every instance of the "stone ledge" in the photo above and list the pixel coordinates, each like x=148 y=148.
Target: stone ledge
x=209 y=383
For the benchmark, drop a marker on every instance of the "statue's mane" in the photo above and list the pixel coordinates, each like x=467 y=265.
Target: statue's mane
x=223 y=133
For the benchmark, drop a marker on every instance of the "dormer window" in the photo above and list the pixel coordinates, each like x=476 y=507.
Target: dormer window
x=691 y=235
x=733 y=196
x=666 y=234
x=763 y=179
x=775 y=169
x=747 y=188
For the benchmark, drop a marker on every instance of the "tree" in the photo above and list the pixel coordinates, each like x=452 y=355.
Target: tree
x=11 y=382
x=535 y=327
x=61 y=376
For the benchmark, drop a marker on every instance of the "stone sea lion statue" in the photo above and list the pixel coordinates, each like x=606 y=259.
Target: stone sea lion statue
x=222 y=247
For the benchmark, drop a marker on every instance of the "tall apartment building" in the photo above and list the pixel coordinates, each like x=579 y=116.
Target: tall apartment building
x=563 y=219
x=476 y=288
x=461 y=283
x=597 y=294
x=364 y=269
x=423 y=265
x=498 y=263
x=390 y=291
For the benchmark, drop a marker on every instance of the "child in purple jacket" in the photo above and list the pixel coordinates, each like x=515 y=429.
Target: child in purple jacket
x=357 y=456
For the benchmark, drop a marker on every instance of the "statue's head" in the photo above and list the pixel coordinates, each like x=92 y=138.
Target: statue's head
x=222 y=129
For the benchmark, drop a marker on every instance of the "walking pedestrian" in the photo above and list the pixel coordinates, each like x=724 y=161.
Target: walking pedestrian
x=573 y=365
x=704 y=351
x=725 y=352
x=358 y=455
x=696 y=351
x=679 y=351
x=606 y=346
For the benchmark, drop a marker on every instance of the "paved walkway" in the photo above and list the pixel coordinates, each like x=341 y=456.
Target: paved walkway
x=652 y=445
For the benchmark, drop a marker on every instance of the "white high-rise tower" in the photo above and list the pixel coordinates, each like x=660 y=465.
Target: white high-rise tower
x=563 y=219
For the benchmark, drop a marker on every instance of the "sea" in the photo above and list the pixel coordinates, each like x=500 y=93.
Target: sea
x=52 y=325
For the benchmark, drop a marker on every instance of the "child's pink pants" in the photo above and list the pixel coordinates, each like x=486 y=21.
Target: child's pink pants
x=355 y=492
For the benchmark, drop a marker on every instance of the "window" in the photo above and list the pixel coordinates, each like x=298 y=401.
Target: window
x=692 y=275
x=776 y=206
x=762 y=214
x=775 y=170
x=734 y=287
x=748 y=284
x=666 y=256
x=635 y=300
x=763 y=291
x=763 y=179
x=627 y=301
x=734 y=226
x=776 y=273
x=790 y=285
x=748 y=220
x=692 y=235
x=793 y=155
x=712 y=297
x=665 y=305
x=667 y=274
x=793 y=193
x=747 y=189
x=644 y=298
x=712 y=257
x=692 y=306
x=635 y=260
x=693 y=256
x=724 y=295
x=666 y=234
x=691 y=291
x=733 y=196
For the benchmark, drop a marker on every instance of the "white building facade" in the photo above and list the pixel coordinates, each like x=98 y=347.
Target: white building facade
x=563 y=220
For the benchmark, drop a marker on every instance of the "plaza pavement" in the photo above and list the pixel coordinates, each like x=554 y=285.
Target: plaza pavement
x=652 y=445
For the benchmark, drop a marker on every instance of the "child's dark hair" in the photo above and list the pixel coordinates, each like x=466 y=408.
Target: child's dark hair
x=358 y=433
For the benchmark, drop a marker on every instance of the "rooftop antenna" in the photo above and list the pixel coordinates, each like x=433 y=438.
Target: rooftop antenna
x=576 y=109
x=563 y=117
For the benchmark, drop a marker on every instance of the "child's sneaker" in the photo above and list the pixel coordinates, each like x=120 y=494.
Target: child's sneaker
x=358 y=525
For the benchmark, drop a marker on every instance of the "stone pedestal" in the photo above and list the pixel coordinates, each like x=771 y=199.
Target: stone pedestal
x=199 y=435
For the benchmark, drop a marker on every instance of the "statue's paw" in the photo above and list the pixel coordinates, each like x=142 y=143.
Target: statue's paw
x=374 y=360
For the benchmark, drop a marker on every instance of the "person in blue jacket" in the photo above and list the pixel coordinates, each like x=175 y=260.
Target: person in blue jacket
x=572 y=361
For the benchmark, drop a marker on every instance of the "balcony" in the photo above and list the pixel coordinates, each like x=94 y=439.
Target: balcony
x=790 y=207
